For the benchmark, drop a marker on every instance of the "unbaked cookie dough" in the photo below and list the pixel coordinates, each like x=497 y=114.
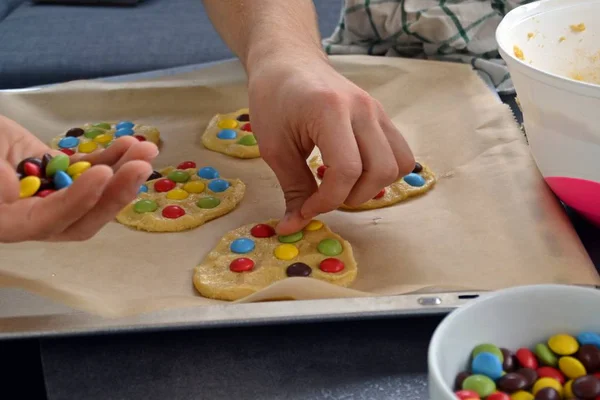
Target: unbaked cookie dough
x=231 y=134
x=182 y=198
x=416 y=183
x=89 y=137
x=253 y=256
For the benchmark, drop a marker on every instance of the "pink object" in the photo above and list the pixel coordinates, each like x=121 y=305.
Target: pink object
x=580 y=194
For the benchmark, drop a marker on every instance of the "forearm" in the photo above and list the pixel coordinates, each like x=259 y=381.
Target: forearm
x=258 y=30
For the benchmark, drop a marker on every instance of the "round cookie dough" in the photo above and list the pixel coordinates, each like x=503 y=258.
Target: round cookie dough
x=231 y=134
x=315 y=252
x=394 y=193
x=92 y=136
x=175 y=200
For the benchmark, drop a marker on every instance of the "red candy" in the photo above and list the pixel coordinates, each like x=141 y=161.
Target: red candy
x=262 y=231
x=31 y=169
x=498 y=396
x=549 y=372
x=186 y=165
x=241 y=265
x=321 y=171
x=467 y=395
x=526 y=358
x=68 y=152
x=164 y=185
x=173 y=212
x=247 y=127
x=380 y=194
x=331 y=265
x=140 y=138
x=44 y=193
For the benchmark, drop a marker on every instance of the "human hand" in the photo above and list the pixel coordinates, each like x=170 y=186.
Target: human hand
x=79 y=211
x=296 y=106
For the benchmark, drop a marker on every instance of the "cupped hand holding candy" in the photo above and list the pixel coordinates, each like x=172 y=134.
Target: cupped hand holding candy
x=79 y=211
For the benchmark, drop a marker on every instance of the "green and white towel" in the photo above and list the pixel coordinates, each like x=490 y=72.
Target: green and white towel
x=445 y=30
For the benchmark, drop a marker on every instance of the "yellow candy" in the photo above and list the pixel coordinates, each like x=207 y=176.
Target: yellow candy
x=569 y=390
x=227 y=124
x=194 y=187
x=314 y=225
x=563 y=345
x=104 y=138
x=547 y=382
x=28 y=186
x=87 y=147
x=177 y=194
x=521 y=395
x=286 y=251
x=78 y=168
x=571 y=367
x=76 y=176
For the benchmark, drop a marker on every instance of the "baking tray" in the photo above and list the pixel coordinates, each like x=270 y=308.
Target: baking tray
x=24 y=315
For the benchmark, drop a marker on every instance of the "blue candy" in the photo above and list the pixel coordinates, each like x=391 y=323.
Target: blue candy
x=208 y=173
x=143 y=189
x=218 y=185
x=68 y=142
x=125 y=124
x=227 y=134
x=124 y=132
x=414 y=179
x=62 y=180
x=487 y=364
x=242 y=246
x=589 y=338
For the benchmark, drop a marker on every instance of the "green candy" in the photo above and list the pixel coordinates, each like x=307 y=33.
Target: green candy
x=293 y=238
x=179 y=176
x=488 y=348
x=102 y=125
x=480 y=384
x=59 y=163
x=144 y=206
x=329 y=247
x=247 y=140
x=208 y=202
x=545 y=355
x=93 y=132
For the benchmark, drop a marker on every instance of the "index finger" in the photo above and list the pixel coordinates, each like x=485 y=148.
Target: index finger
x=340 y=153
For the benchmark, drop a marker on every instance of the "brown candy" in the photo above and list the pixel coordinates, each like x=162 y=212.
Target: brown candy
x=589 y=355
x=510 y=363
x=530 y=376
x=586 y=387
x=45 y=184
x=513 y=382
x=547 y=393
x=298 y=269
x=33 y=160
x=244 y=118
x=154 y=175
x=45 y=160
x=418 y=168
x=75 y=132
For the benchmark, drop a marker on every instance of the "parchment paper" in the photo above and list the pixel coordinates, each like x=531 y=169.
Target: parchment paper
x=489 y=223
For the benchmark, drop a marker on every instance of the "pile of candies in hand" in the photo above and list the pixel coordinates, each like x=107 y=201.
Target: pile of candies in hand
x=41 y=177
x=565 y=367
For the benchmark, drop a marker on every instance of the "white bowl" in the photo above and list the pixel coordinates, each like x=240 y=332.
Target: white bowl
x=561 y=114
x=511 y=318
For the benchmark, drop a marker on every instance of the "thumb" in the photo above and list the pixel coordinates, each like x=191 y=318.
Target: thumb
x=9 y=183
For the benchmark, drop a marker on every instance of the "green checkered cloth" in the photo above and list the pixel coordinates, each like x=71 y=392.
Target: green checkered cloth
x=444 y=30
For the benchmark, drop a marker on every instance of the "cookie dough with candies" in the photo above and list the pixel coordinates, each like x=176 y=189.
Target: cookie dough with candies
x=89 y=137
x=419 y=181
x=253 y=257
x=231 y=134
x=182 y=198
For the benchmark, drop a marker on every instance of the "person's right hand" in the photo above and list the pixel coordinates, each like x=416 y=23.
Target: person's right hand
x=79 y=211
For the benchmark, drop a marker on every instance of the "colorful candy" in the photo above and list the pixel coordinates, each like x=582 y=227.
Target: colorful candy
x=418 y=168
x=104 y=139
x=545 y=355
x=332 y=247
x=102 y=125
x=380 y=194
x=247 y=128
x=78 y=168
x=59 y=163
x=194 y=187
x=68 y=142
x=321 y=171
x=331 y=265
x=144 y=206
x=414 y=179
x=177 y=194
x=242 y=245
x=262 y=231
x=62 y=180
x=243 y=117
x=563 y=345
x=208 y=173
x=487 y=364
x=125 y=124
x=227 y=134
x=164 y=185
x=208 y=202
x=247 y=140
x=178 y=176
x=28 y=186
x=218 y=185
x=227 y=124
x=480 y=384
x=75 y=132
x=314 y=225
x=241 y=265
x=291 y=238
x=32 y=169
x=298 y=269
x=173 y=212
x=186 y=165
x=93 y=132
x=154 y=175
x=87 y=147
x=286 y=252
x=124 y=132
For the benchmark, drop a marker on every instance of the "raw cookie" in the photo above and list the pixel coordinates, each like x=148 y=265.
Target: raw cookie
x=231 y=134
x=89 y=137
x=417 y=182
x=252 y=257
x=182 y=198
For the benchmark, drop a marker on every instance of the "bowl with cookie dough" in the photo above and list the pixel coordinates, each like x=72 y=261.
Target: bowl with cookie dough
x=534 y=342
x=552 y=50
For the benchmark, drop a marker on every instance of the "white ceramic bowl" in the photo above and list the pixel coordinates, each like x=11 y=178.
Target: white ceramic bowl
x=561 y=113
x=511 y=318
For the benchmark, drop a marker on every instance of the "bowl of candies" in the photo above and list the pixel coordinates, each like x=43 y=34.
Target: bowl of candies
x=552 y=50
x=539 y=342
